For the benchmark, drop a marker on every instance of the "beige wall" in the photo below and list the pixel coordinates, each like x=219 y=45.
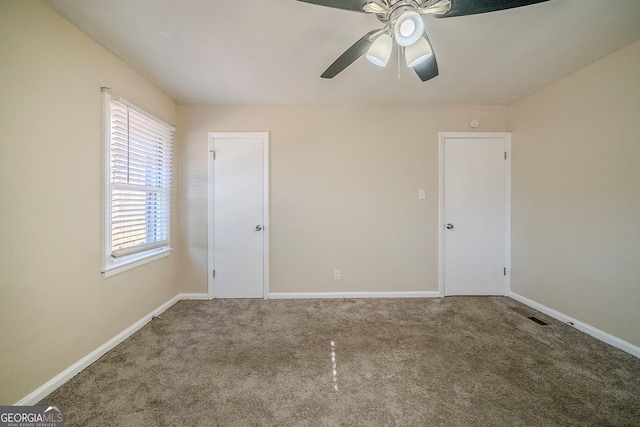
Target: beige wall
x=344 y=191
x=576 y=195
x=344 y=183
x=55 y=306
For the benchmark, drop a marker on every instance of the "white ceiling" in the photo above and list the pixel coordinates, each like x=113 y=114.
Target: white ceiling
x=273 y=51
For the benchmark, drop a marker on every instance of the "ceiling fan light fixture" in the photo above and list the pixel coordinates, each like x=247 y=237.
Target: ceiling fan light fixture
x=380 y=51
x=408 y=28
x=417 y=53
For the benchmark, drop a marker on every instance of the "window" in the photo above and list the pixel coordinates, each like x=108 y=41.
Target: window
x=138 y=184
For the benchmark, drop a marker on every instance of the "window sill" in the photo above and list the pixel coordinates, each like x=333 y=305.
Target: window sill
x=112 y=270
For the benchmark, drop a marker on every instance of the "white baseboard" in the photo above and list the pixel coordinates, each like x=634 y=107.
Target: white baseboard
x=198 y=297
x=64 y=376
x=581 y=326
x=322 y=295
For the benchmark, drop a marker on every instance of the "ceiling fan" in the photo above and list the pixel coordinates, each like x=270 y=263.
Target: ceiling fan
x=403 y=23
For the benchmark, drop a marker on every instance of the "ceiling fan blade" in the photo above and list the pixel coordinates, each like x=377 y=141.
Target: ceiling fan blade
x=354 y=52
x=429 y=68
x=472 y=7
x=356 y=5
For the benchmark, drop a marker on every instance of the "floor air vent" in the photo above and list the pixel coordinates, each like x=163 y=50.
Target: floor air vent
x=520 y=311
x=538 y=321
x=525 y=313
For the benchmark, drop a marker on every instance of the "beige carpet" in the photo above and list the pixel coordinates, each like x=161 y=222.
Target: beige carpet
x=421 y=362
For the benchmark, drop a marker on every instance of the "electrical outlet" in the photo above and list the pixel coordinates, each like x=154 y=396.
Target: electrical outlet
x=422 y=194
x=336 y=275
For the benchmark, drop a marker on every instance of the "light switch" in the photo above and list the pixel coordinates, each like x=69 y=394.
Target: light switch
x=422 y=194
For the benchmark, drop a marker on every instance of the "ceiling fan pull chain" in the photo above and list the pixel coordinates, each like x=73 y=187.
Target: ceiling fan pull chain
x=399 y=48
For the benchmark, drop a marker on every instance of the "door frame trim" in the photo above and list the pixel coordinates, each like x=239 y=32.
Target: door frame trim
x=442 y=136
x=210 y=220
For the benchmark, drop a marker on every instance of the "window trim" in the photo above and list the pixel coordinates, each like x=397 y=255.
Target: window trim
x=128 y=262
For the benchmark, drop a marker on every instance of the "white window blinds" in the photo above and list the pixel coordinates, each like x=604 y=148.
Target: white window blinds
x=139 y=181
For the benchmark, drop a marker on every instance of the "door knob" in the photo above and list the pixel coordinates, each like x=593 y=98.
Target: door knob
x=258 y=227
x=449 y=226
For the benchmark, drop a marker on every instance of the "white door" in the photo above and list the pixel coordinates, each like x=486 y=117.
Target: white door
x=239 y=215
x=475 y=214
